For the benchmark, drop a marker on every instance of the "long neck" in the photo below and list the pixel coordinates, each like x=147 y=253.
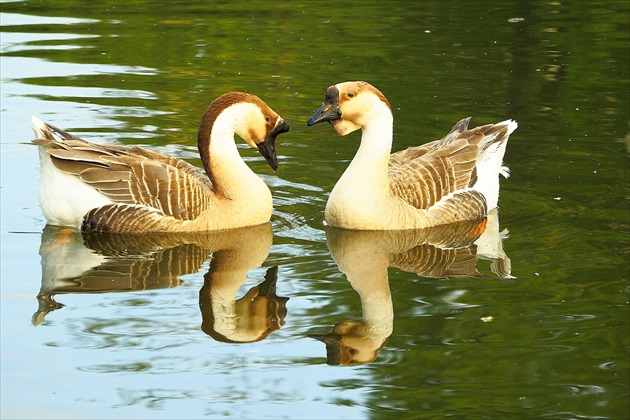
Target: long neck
x=362 y=258
x=376 y=302
x=221 y=160
x=369 y=166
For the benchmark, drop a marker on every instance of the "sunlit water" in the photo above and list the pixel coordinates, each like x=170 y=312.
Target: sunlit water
x=293 y=319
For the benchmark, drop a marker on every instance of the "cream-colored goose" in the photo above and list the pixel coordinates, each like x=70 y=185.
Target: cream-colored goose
x=448 y=180
x=109 y=188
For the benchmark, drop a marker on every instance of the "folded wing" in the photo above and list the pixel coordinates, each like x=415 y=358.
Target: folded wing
x=134 y=176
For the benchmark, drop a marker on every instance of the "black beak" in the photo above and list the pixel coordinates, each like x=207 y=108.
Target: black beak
x=333 y=348
x=267 y=147
x=329 y=111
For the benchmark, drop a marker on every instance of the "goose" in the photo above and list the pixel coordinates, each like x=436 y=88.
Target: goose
x=445 y=181
x=118 y=189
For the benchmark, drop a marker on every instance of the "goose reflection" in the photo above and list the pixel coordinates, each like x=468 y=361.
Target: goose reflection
x=103 y=263
x=255 y=315
x=365 y=256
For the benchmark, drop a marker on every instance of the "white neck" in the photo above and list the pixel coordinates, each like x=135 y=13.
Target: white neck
x=362 y=193
x=366 y=270
x=369 y=166
x=230 y=174
x=376 y=304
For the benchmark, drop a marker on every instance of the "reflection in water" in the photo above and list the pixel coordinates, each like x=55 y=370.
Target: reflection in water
x=364 y=257
x=100 y=263
x=251 y=318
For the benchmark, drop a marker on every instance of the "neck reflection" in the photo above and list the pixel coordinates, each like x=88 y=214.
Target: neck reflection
x=365 y=257
x=75 y=263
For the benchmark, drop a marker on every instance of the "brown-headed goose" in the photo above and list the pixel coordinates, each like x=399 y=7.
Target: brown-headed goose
x=448 y=180
x=109 y=188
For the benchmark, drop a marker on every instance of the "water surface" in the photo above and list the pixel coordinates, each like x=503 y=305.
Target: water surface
x=94 y=327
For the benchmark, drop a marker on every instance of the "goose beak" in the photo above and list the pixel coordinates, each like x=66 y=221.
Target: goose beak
x=329 y=111
x=267 y=147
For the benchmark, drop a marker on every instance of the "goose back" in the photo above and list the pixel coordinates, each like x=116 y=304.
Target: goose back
x=424 y=175
x=134 y=177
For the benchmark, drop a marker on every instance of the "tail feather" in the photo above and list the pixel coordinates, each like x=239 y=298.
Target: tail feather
x=49 y=132
x=490 y=163
x=512 y=125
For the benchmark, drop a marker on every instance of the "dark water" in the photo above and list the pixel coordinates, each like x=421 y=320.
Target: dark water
x=139 y=329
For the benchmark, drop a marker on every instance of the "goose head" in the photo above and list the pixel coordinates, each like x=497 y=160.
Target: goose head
x=250 y=118
x=350 y=106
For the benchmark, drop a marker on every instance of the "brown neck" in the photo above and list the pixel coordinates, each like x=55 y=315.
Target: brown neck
x=207 y=122
x=203 y=137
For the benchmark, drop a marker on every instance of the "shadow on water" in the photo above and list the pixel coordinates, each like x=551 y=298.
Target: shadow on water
x=103 y=263
x=365 y=256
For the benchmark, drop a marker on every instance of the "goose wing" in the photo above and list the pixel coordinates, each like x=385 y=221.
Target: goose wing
x=399 y=159
x=436 y=176
x=133 y=175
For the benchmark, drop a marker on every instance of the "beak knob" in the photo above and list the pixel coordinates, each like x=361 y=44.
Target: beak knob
x=329 y=111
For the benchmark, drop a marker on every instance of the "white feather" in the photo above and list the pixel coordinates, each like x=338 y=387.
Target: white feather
x=64 y=198
x=490 y=166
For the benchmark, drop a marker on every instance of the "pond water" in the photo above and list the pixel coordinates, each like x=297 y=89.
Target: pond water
x=530 y=320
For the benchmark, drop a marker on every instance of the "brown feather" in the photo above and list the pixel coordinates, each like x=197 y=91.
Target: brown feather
x=422 y=176
x=134 y=175
x=121 y=218
x=434 y=262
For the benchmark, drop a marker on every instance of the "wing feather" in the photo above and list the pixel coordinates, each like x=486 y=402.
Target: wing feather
x=121 y=218
x=134 y=176
x=425 y=175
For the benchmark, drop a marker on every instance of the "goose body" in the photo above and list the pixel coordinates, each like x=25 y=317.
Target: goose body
x=445 y=181
x=110 y=188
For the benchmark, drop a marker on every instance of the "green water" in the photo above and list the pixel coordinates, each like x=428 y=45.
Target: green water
x=138 y=344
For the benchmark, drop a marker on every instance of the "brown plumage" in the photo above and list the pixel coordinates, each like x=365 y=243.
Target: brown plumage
x=424 y=175
x=134 y=176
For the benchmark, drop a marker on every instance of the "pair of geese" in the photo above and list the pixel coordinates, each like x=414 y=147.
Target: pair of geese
x=120 y=189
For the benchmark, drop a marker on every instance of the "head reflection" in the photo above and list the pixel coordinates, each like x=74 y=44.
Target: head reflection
x=251 y=318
